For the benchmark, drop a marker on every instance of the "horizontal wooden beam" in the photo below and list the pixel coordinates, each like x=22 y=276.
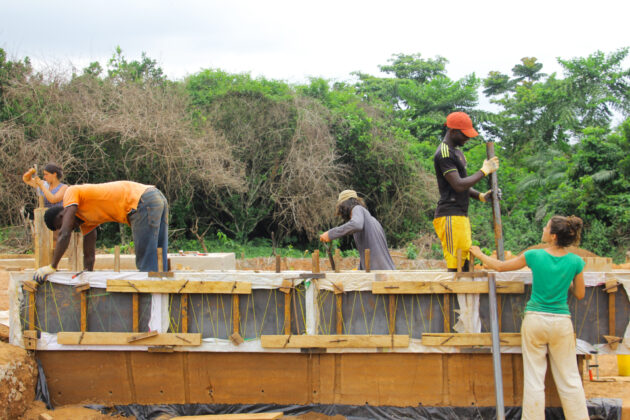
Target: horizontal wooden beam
x=244 y=416
x=429 y=287
x=469 y=339
x=333 y=341
x=179 y=286
x=122 y=339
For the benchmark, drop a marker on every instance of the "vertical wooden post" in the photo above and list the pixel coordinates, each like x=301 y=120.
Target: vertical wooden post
x=611 y=289
x=367 y=260
x=160 y=258
x=236 y=314
x=337 y=258
x=392 y=314
x=184 y=305
x=31 y=310
x=84 y=310
x=315 y=264
x=134 y=309
x=287 y=313
x=117 y=259
x=339 y=314
x=42 y=239
x=278 y=263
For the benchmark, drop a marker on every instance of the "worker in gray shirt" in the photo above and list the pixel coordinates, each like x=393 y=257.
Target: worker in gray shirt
x=366 y=230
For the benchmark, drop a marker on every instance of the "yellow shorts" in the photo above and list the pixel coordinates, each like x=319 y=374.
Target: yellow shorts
x=454 y=233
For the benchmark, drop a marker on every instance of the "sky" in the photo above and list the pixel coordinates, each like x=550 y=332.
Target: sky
x=295 y=40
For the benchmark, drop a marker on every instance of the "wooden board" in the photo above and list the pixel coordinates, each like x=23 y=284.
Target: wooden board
x=250 y=416
x=122 y=339
x=430 y=287
x=178 y=286
x=469 y=339
x=333 y=341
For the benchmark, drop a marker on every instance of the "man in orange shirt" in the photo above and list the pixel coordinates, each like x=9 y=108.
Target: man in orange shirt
x=87 y=206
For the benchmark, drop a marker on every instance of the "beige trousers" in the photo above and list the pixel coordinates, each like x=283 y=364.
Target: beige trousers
x=552 y=334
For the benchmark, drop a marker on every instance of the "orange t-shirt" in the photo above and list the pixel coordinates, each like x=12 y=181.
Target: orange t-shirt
x=101 y=203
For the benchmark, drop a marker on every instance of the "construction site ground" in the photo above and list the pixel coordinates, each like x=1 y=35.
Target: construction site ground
x=610 y=384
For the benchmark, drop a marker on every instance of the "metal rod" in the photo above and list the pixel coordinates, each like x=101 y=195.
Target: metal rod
x=496 y=346
x=496 y=208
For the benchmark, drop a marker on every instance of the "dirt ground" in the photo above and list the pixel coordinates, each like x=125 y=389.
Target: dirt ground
x=610 y=386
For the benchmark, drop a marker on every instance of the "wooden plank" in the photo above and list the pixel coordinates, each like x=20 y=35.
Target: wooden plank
x=119 y=339
x=142 y=336
x=333 y=341
x=437 y=287
x=367 y=260
x=29 y=338
x=178 y=286
x=252 y=416
x=469 y=339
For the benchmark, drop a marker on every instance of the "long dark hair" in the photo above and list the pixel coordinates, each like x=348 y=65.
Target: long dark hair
x=344 y=209
x=568 y=230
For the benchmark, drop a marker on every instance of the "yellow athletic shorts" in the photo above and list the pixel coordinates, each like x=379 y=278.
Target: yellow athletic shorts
x=454 y=233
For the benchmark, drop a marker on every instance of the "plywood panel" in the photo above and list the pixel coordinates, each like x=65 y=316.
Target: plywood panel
x=398 y=379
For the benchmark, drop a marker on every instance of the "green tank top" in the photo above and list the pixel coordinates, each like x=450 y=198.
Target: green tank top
x=552 y=277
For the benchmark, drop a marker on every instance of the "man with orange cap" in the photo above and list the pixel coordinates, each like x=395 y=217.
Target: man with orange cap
x=451 y=221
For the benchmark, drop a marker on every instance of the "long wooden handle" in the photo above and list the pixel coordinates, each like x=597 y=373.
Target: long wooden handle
x=496 y=208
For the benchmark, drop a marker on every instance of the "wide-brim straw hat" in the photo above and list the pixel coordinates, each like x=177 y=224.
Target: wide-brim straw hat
x=346 y=194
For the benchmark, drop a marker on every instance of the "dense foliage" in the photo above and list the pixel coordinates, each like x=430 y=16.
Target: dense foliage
x=243 y=158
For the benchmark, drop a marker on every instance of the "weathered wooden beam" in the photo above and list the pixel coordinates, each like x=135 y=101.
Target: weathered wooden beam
x=121 y=338
x=178 y=286
x=469 y=339
x=252 y=416
x=438 y=287
x=333 y=341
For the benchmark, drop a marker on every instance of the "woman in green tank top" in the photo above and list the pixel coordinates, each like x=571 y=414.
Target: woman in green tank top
x=547 y=327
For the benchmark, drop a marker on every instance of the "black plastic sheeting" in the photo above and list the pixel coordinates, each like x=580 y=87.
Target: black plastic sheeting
x=605 y=408
x=41 y=388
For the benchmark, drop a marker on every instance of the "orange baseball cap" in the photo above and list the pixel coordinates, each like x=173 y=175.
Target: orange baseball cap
x=461 y=121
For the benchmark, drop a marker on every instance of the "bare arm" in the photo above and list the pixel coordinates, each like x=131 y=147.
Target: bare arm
x=53 y=198
x=89 y=250
x=28 y=178
x=577 y=287
x=498 y=265
x=464 y=184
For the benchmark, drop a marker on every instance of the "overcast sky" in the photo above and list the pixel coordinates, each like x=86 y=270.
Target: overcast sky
x=293 y=40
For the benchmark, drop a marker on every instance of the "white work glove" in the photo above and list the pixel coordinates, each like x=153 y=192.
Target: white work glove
x=490 y=165
x=42 y=272
x=487 y=196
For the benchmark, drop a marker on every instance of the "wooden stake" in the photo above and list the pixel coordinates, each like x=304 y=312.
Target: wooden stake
x=117 y=258
x=160 y=260
x=278 y=263
x=42 y=239
x=236 y=314
x=339 y=314
x=447 y=312
x=184 y=305
x=367 y=260
x=134 y=310
x=459 y=260
x=392 y=314
x=611 y=289
x=315 y=265
x=287 y=313
x=84 y=310
x=337 y=258
x=31 y=310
